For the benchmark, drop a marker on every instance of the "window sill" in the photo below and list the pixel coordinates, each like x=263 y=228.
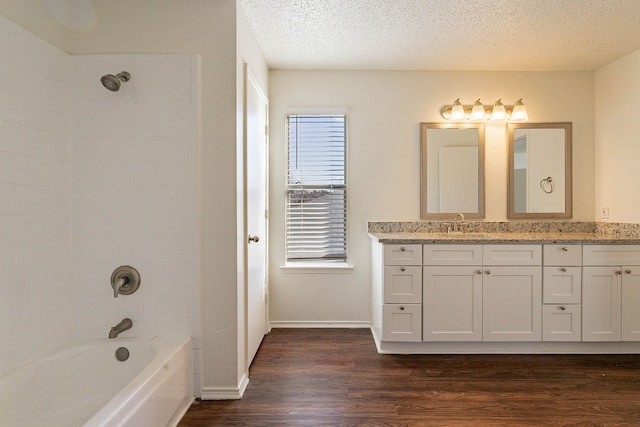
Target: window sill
x=317 y=267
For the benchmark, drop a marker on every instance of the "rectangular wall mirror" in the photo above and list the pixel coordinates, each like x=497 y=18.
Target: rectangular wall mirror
x=539 y=170
x=451 y=170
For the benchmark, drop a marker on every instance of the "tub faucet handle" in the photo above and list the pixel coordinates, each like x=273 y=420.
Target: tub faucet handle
x=125 y=280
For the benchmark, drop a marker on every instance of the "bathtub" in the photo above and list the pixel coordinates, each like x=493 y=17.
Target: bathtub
x=83 y=384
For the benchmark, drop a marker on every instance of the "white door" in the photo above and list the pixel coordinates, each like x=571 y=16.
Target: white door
x=256 y=210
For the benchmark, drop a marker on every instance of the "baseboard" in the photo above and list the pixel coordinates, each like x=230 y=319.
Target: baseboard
x=317 y=324
x=224 y=393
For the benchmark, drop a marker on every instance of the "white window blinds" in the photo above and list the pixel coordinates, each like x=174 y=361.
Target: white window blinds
x=316 y=187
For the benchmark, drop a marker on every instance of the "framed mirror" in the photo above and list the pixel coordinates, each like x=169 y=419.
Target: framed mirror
x=539 y=170
x=451 y=170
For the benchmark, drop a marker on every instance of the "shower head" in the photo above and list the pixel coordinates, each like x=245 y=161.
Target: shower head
x=112 y=82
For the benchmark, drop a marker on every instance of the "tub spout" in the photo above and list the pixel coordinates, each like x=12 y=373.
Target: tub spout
x=120 y=327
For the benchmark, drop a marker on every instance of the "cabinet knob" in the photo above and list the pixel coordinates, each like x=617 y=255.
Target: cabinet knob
x=403 y=249
x=487 y=272
x=563 y=269
x=402 y=307
x=402 y=269
x=564 y=248
x=628 y=271
x=619 y=272
x=478 y=271
x=562 y=307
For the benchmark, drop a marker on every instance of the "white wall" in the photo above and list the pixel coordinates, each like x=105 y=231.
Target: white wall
x=385 y=110
x=617 y=151
x=134 y=191
x=35 y=257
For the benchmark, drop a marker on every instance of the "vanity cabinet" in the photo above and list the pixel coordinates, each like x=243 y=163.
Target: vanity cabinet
x=611 y=293
x=562 y=293
x=440 y=297
x=482 y=293
x=402 y=293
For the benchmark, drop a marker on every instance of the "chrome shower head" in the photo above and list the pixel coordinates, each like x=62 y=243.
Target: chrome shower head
x=112 y=82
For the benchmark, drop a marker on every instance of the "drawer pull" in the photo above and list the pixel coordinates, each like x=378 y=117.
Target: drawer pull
x=487 y=272
x=478 y=271
x=402 y=269
x=403 y=249
x=628 y=271
x=563 y=269
x=566 y=249
x=402 y=307
x=562 y=307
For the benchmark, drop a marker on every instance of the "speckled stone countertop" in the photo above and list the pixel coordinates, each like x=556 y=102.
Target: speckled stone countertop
x=506 y=232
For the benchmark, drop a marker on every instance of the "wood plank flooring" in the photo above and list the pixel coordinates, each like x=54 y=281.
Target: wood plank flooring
x=334 y=377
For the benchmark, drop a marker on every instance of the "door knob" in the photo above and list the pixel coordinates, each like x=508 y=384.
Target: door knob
x=254 y=239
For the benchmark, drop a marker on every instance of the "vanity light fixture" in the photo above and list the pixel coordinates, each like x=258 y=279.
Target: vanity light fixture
x=457 y=111
x=498 y=112
x=479 y=112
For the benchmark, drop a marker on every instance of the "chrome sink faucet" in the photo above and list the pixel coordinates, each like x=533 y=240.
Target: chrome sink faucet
x=120 y=328
x=456 y=225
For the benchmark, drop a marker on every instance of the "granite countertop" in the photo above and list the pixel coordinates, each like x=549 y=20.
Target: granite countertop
x=536 y=232
x=502 y=237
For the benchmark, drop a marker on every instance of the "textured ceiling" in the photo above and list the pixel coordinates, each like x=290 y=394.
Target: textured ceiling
x=508 y=35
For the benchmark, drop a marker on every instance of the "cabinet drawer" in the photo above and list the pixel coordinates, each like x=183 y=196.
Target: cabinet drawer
x=561 y=322
x=402 y=284
x=611 y=255
x=561 y=285
x=512 y=254
x=562 y=255
x=402 y=254
x=402 y=322
x=452 y=254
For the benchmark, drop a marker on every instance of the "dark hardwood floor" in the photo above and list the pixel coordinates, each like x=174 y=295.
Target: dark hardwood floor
x=334 y=377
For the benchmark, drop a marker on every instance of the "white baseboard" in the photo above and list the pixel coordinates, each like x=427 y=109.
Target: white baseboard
x=225 y=393
x=318 y=324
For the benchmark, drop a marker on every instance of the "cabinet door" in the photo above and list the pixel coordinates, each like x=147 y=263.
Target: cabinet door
x=402 y=284
x=561 y=322
x=561 y=285
x=512 y=304
x=601 y=303
x=631 y=303
x=402 y=322
x=452 y=304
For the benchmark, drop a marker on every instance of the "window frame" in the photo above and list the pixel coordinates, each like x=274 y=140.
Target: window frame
x=319 y=265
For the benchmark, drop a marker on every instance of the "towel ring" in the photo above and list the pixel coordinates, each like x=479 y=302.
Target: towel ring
x=547 y=185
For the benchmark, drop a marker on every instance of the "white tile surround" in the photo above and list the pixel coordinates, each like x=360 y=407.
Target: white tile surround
x=90 y=180
x=36 y=308
x=134 y=193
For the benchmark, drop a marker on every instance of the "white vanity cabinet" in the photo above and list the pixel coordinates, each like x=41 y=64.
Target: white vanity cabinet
x=452 y=293
x=512 y=293
x=482 y=293
x=611 y=293
x=402 y=293
x=562 y=293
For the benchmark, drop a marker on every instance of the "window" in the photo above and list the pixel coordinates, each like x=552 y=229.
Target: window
x=316 y=211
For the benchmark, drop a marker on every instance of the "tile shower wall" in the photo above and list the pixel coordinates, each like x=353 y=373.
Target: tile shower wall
x=35 y=257
x=134 y=190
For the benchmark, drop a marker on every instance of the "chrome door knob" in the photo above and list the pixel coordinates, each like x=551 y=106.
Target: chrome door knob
x=254 y=239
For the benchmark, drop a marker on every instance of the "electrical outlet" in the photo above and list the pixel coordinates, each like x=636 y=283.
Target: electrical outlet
x=604 y=212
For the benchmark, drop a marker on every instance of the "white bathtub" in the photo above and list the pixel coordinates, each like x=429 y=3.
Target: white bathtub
x=83 y=384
